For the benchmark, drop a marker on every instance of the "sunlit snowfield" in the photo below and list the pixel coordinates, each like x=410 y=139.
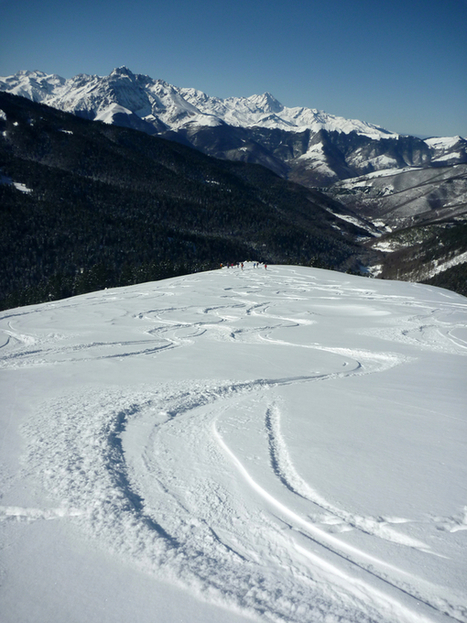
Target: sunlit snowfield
x=286 y=444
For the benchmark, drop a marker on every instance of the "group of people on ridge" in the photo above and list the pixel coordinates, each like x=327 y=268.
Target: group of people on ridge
x=241 y=265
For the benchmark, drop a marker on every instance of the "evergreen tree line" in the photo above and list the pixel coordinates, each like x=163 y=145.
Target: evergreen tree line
x=102 y=206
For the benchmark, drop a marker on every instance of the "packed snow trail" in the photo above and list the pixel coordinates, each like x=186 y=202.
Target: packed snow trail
x=287 y=444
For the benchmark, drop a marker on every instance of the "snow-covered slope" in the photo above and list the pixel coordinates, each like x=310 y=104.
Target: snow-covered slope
x=281 y=444
x=35 y=85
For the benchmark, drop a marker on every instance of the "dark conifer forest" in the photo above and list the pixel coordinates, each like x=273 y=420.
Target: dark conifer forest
x=85 y=206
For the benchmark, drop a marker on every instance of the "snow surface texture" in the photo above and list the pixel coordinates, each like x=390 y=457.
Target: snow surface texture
x=282 y=444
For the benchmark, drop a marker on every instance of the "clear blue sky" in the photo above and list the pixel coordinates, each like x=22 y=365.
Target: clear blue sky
x=399 y=64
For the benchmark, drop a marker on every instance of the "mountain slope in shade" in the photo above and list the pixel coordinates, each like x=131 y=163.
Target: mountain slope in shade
x=402 y=197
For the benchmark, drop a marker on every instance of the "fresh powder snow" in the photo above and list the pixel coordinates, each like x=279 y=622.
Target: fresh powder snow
x=280 y=444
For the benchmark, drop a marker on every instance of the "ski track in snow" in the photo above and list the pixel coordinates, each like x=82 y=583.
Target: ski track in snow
x=111 y=458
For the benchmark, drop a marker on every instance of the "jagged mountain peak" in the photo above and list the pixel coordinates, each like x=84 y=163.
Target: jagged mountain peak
x=267 y=102
x=122 y=71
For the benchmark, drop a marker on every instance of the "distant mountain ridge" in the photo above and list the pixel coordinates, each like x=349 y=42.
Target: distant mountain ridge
x=157 y=102
x=306 y=145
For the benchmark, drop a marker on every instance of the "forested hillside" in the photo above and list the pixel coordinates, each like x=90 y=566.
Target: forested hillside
x=84 y=206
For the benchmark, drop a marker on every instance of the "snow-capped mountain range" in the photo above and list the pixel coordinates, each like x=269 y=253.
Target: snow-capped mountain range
x=308 y=146
x=161 y=104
